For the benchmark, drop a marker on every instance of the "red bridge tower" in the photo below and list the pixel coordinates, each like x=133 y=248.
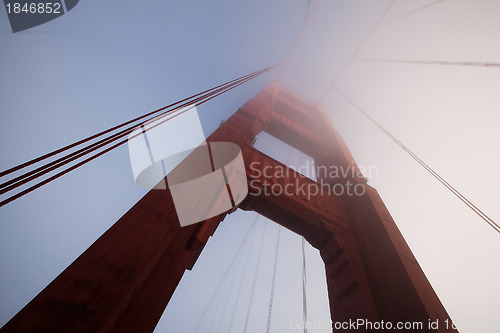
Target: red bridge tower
x=123 y=282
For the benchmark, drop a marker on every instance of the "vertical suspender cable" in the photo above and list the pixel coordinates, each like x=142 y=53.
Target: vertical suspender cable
x=304 y=276
x=255 y=278
x=273 y=282
x=304 y=280
x=232 y=284
x=226 y=288
x=236 y=255
x=243 y=275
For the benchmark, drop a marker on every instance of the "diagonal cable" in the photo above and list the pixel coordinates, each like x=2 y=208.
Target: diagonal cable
x=111 y=139
x=412 y=11
x=294 y=48
x=436 y=62
x=40 y=171
x=346 y=65
x=459 y=195
x=75 y=144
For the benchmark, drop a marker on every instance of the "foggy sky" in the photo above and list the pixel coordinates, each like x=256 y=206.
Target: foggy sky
x=106 y=62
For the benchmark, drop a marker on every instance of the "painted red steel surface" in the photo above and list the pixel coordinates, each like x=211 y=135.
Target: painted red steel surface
x=123 y=282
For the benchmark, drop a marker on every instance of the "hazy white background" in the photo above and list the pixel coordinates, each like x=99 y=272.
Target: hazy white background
x=106 y=62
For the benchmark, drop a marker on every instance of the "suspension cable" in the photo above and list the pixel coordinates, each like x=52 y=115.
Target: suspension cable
x=459 y=195
x=40 y=171
x=58 y=151
x=304 y=276
x=226 y=288
x=229 y=292
x=346 y=65
x=30 y=176
x=224 y=277
x=411 y=12
x=434 y=62
x=304 y=282
x=294 y=48
x=255 y=278
x=307 y=11
x=273 y=282
x=226 y=302
x=66 y=161
x=240 y=287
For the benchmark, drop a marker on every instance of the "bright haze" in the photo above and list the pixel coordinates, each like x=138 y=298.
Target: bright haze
x=106 y=62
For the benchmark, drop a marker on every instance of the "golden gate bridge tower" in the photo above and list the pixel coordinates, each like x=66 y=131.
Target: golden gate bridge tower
x=123 y=282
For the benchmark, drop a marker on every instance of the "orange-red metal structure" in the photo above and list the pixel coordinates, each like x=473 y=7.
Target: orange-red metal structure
x=123 y=282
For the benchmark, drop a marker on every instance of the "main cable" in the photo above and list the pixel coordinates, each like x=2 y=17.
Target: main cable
x=307 y=11
x=65 y=160
x=304 y=27
x=60 y=150
x=346 y=65
x=436 y=62
x=412 y=11
x=40 y=171
x=459 y=195
x=32 y=188
x=48 y=180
